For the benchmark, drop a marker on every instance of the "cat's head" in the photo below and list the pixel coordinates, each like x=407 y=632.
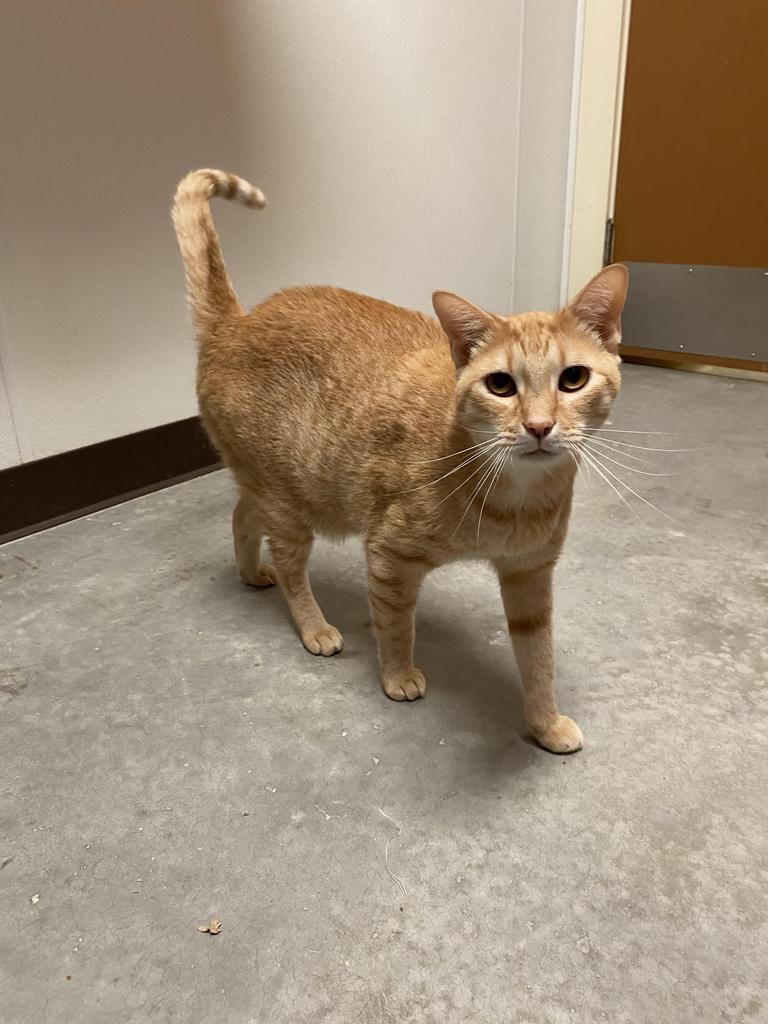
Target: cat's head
x=538 y=381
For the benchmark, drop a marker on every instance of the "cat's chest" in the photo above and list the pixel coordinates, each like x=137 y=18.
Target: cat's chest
x=507 y=533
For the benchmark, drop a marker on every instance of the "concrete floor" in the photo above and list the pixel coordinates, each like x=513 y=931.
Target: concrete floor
x=169 y=753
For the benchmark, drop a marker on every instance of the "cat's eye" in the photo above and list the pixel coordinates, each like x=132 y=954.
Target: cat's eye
x=573 y=378
x=501 y=384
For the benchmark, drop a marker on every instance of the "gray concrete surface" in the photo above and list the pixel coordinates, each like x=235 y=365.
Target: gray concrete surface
x=170 y=753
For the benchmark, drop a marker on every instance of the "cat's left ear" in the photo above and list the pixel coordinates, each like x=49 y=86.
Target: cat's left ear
x=600 y=303
x=467 y=326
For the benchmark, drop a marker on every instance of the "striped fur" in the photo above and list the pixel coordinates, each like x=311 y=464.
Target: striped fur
x=209 y=290
x=338 y=413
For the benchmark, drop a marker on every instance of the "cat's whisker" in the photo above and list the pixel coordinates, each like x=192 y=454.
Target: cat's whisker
x=616 y=451
x=588 y=469
x=466 y=462
x=570 y=451
x=632 y=469
x=499 y=467
x=639 y=447
x=612 y=486
x=648 y=433
x=474 y=494
x=450 y=455
x=630 y=489
x=472 y=497
x=466 y=480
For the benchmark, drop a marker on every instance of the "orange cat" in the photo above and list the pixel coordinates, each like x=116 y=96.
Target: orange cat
x=339 y=414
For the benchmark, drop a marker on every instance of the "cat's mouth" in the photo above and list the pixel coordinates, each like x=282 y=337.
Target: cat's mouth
x=520 y=448
x=539 y=452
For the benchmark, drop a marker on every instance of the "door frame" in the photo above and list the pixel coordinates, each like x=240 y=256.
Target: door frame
x=599 y=69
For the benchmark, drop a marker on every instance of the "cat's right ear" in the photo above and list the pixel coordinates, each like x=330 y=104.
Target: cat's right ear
x=600 y=303
x=467 y=326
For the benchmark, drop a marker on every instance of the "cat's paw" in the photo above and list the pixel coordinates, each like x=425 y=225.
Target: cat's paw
x=263 y=576
x=562 y=737
x=405 y=686
x=325 y=641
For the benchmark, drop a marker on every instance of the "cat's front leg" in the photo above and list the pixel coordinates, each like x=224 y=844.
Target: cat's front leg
x=527 y=598
x=393 y=585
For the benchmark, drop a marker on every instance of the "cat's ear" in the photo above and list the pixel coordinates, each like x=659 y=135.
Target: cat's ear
x=467 y=326
x=599 y=304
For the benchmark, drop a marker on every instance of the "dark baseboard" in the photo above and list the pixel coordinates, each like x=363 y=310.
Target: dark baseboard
x=754 y=368
x=36 y=495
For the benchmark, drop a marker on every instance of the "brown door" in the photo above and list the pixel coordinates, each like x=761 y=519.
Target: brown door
x=691 y=213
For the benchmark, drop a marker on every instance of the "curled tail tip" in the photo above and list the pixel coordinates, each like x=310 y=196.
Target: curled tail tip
x=210 y=291
x=208 y=183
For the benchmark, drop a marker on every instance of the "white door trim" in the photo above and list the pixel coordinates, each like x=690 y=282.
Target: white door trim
x=598 y=82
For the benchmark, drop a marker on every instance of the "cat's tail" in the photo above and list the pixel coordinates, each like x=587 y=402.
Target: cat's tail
x=209 y=289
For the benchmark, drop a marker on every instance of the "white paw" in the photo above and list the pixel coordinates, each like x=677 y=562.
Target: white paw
x=405 y=686
x=325 y=641
x=263 y=576
x=562 y=737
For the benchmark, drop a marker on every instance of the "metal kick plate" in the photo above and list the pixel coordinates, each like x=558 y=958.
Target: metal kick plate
x=712 y=311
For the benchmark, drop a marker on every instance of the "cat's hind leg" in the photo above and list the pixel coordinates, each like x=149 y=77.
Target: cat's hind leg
x=290 y=545
x=246 y=533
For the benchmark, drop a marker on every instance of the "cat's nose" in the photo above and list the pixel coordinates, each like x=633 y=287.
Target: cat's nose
x=539 y=428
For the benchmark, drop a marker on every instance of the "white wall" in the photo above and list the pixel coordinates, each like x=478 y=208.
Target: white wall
x=387 y=134
x=545 y=135
x=9 y=448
